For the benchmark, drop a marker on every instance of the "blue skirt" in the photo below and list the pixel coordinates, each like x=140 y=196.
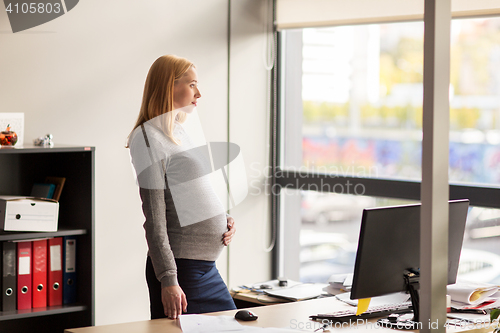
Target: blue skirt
x=201 y=282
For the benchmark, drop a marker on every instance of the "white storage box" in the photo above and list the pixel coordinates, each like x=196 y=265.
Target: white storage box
x=28 y=214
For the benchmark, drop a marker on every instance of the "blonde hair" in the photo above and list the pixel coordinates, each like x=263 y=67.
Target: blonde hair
x=158 y=96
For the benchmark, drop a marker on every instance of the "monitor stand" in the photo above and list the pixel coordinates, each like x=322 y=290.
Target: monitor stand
x=401 y=322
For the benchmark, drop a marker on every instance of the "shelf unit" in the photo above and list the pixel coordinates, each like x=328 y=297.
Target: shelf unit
x=20 y=169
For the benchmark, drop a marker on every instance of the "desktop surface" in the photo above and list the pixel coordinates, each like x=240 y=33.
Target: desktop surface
x=293 y=315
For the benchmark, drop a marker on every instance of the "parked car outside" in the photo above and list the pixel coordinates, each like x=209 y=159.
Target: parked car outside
x=322 y=209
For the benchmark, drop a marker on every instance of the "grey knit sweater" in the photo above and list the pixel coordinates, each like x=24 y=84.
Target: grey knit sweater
x=184 y=216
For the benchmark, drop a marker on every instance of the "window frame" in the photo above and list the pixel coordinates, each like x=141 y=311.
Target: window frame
x=479 y=195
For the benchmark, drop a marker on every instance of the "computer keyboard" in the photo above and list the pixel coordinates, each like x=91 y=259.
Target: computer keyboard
x=374 y=311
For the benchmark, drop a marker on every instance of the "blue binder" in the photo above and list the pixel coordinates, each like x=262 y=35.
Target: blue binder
x=69 y=270
x=43 y=190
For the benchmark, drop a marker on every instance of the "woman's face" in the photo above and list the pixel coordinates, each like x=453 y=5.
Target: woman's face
x=186 y=91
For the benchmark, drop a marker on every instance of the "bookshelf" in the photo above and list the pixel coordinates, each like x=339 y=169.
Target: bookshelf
x=20 y=169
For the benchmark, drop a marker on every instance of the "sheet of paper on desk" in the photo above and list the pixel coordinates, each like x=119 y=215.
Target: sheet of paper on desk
x=269 y=330
x=469 y=317
x=249 y=329
x=489 y=303
x=207 y=324
x=341 y=281
x=226 y=324
x=299 y=292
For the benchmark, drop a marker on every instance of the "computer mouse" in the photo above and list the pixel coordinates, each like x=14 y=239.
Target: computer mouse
x=245 y=315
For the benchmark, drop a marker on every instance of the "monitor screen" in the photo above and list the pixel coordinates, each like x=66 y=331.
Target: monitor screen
x=389 y=244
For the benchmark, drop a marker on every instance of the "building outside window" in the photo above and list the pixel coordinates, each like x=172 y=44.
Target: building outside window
x=355 y=93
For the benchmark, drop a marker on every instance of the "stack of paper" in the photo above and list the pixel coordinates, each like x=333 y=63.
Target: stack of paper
x=341 y=282
x=471 y=293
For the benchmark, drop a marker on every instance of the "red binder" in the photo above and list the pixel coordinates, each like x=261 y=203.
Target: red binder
x=54 y=270
x=23 y=275
x=39 y=270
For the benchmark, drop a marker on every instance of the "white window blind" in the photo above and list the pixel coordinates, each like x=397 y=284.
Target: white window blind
x=316 y=13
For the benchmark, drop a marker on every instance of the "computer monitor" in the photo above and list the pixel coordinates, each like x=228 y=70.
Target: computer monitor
x=389 y=245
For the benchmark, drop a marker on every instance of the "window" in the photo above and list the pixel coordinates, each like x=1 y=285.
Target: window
x=354 y=93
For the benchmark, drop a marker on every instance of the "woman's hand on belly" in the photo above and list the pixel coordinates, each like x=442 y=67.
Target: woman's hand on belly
x=228 y=236
x=174 y=301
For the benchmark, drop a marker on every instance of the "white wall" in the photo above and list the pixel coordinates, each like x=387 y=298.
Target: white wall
x=80 y=77
x=249 y=128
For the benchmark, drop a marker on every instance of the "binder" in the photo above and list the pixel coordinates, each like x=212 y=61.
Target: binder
x=24 y=275
x=9 y=276
x=43 y=190
x=54 y=271
x=59 y=182
x=39 y=287
x=69 y=270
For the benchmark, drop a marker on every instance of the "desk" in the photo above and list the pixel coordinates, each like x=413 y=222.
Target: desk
x=289 y=315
